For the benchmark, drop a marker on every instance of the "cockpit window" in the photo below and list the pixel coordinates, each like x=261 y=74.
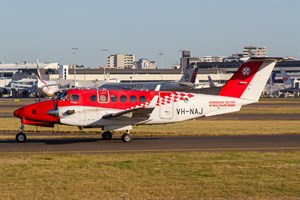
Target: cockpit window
x=62 y=96
x=74 y=97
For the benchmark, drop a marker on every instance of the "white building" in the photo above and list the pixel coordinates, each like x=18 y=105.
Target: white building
x=212 y=59
x=121 y=61
x=195 y=60
x=144 y=63
x=8 y=70
x=63 y=71
x=251 y=50
x=175 y=66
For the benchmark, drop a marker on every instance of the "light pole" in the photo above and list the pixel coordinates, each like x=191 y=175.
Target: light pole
x=74 y=50
x=161 y=58
x=104 y=68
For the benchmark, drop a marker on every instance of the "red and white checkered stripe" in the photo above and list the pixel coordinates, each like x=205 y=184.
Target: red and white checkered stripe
x=167 y=98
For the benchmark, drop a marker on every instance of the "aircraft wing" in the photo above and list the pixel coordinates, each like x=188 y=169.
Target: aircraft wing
x=290 y=89
x=136 y=114
x=186 y=84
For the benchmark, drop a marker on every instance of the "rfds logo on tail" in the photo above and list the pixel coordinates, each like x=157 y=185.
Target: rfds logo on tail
x=246 y=71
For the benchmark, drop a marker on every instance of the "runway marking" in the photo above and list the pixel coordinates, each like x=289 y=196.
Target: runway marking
x=270 y=149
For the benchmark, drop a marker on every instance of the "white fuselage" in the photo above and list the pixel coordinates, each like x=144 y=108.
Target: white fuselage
x=175 y=111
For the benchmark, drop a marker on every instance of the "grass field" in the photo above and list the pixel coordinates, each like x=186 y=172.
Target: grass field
x=193 y=175
x=151 y=176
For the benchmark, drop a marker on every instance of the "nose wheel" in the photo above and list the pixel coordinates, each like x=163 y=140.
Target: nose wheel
x=21 y=137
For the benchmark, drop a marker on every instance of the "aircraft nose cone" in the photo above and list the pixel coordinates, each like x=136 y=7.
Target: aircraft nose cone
x=18 y=113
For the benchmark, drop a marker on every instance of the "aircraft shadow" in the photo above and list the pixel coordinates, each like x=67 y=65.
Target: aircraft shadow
x=62 y=141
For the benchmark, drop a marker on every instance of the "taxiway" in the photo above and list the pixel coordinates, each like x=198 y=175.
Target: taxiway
x=264 y=143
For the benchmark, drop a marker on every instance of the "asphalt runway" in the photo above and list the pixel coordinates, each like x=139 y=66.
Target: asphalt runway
x=260 y=143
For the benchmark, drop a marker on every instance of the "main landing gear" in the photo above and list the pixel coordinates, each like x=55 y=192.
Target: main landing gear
x=106 y=135
x=126 y=137
x=21 y=136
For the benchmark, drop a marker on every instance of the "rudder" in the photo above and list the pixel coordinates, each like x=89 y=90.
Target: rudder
x=250 y=79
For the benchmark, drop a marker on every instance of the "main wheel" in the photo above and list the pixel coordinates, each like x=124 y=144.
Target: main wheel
x=126 y=137
x=106 y=135
x=21 y=137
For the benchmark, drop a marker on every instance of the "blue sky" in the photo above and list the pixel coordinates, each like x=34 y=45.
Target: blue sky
x=47 y=30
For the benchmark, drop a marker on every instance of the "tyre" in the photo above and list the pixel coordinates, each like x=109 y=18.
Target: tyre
x=126 y=137
x=106 y=135
x=21 y=137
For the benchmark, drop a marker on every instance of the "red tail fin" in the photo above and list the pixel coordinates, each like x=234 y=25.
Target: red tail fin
x=238 y=83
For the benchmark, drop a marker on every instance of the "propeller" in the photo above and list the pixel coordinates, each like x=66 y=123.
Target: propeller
x=54 y=112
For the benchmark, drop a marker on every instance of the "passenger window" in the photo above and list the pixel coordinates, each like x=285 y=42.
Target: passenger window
x=132 y=99
x=103 y=98
x=123 y=98
x=142 y=99
x=74 y=97
x=113 y=98
x=93 y=98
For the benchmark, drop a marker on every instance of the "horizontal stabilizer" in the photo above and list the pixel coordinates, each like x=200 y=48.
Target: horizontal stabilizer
x=186 y=84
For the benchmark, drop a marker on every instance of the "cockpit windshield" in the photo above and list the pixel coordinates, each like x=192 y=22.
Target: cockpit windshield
x=62 y=95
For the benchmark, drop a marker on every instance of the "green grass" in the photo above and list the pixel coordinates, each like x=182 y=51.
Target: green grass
x=151 y=176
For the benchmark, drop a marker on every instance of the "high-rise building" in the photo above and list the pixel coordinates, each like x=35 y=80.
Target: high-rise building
x=250 y=51
x=121 y=61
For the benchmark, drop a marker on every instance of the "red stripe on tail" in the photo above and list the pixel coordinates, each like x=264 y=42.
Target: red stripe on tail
x=238 y=83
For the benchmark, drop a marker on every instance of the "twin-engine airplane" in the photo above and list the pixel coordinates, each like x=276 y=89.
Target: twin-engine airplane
x=121 y=109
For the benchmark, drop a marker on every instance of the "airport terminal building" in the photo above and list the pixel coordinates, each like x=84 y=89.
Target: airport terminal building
x=219 y=71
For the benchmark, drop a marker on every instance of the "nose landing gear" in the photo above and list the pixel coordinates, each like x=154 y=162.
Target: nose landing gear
x=21 y=136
